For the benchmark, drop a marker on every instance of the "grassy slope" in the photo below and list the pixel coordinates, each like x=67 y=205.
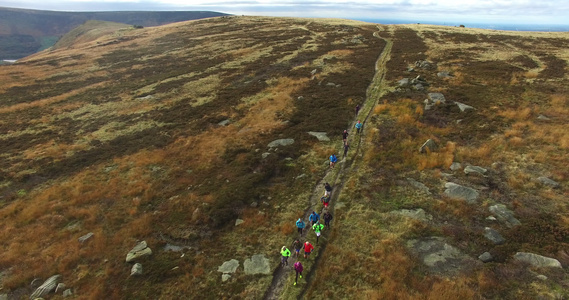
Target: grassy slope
x=119 y=136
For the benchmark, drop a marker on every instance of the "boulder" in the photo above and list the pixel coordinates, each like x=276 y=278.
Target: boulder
x=439 y=256
x=504 y=215
x=67 y=293
x=265 y=155
x=238 y=222
x=537 y=260
x=543 y=118
x=436 y=98
x=229 y=266
x=321 y=136
x=474 y=169
x=443 y=74
x=423 y=64
x=225 y=277
x=463 y=107
x=224 y=122
x=281 y=142
x=257 y=264
x=136 y=270
x=485 y=257
x=418 y=87
x=429 y=144
x=455 y=166
x=541 y=277
x=457 y=191
x=414 y=183
x=417 y=214
x=140 y=250
x=548 y=182
x=86 y=237
x=47 y=287
x=494 y=236
x=403 y=82
x=300 y=98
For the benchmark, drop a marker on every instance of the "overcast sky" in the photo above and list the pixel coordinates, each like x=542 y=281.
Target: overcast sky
x=483 y=11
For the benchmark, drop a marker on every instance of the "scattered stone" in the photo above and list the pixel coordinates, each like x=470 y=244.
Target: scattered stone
x=463 y=107
x=254 y=204
x=444 y=74
x=300 y=98
x=474 y=169
x=418 y=87
x=265 y=155
x=403 y=82
x=86 y=237
x=136 y=270
x=543 y=118
x=147 y=97
x=418 y=185
x=494 y=236
x=60 y=287
x=417 y=214
x=229 y=266
x=439 y=256
x=47 y=287
x=238 y=222
x=225 y=277
x=537 y=260
x=175 y=248
x=457 y=191
x=321 y=136
x=423 y=64
x=504 y=215
x=491 y=219
x=437 y=98
x=429 y=144
x=224 y=122
x=140 y=250
x=67 y=293
x=541 y=277
x=314 y=72
x=485 y=257
x=410 y=69
x=548 y=182
x=455 y=166
x=331 y=84
x=257 y=264
x=281 y=142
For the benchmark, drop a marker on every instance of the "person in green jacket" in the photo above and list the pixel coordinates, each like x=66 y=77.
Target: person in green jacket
x=317 y=227
x=285 y=255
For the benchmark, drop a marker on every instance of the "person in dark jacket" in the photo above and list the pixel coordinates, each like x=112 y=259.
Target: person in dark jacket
x=327 y=218
x=296 y=245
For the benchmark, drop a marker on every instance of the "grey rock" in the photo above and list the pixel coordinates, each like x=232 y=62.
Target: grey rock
x=444 y=74
x=541 y=277
x=437 y=98
x=485 y=257
x=457 y=191
x=175 y=248
x=314 y=72
x=86 y=237
x=300 y=98
x=463 y=107
x=429 y=144
x=543 y=118
x=225 y=277
x=504 y=215
x=67 y=293
x=140 y=250
x=136 y=270
x=474 y=169
x=417 y=214
x=537 y=260
x=418 y=87
x=254 y=204
x=229 y=266
x=414 y=183
x=257 y=264
x=491 y=219
x=47 y=287
x=410 y=69
x=455 y=166
x=321 y=136
x=423 y=64
x=265 y=155
x=439 y=256
x=281 y=142
x=60 y=287
x=494 y=236
x=331 y=84
x=238 y=222
x=224 y=122
x=403 y=82
x=548 y=182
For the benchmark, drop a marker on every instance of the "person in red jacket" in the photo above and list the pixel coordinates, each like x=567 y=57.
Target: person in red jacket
x=298 y=268
x=307 y=249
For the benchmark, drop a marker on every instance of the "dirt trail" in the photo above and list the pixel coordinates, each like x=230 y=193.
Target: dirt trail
x=336 y=177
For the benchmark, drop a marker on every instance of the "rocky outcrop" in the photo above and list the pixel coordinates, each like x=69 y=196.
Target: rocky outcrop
x=494 y=236
x=474 y=169
x=321 y=136
x=455 y=166
x=257 y=264
x=439 y=256
x=47 y=287
x=140 y=250
x=457 y=191
x=229 y=266
x=549 y=182
x=281 y=143
x=504 y=215
x=485 y=257
x=537 y=260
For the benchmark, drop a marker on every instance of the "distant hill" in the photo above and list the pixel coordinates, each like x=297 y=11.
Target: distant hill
x=24 y=32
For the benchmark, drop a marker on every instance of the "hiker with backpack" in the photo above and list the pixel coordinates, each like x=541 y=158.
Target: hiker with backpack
x=285 y=255
x=300 y=225
x=327 y=218
x=345 y=136
x=325 y=200
x=308 y=248
x=359 y=126
x=298 y=268
x=296 y=245
x=317 y=229
x=314 y=217
x=333 y=160
x=327 y=189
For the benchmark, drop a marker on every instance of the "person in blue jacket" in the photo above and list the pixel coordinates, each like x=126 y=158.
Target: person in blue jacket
x=300 y=225
x=359 y=126
x=333 y=160
x=314 y=217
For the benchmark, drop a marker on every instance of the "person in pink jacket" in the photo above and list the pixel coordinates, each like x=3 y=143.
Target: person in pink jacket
x=298 y=268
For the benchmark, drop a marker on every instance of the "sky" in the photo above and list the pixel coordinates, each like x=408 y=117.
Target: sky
x=435 y=11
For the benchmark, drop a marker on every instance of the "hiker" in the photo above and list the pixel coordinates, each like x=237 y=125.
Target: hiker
x=307 y=249
x=296 y=245
x=325 y=200
x=327 y=189
x=318 y=230
x=346 y=147
x=345 y=136
x=327 y=218
x=300 y=225
x=298 y=268
x=314 y=217
x=285 y=255
x=357 y=109
x=333 y=160
x=359 y=126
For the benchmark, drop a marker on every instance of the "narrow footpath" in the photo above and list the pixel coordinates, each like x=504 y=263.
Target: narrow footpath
x=336 y=177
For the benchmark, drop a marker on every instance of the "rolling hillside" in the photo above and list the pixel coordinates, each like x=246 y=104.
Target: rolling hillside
x=200 y=143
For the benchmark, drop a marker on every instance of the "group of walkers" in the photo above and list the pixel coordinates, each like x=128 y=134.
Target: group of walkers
x=314 y=217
